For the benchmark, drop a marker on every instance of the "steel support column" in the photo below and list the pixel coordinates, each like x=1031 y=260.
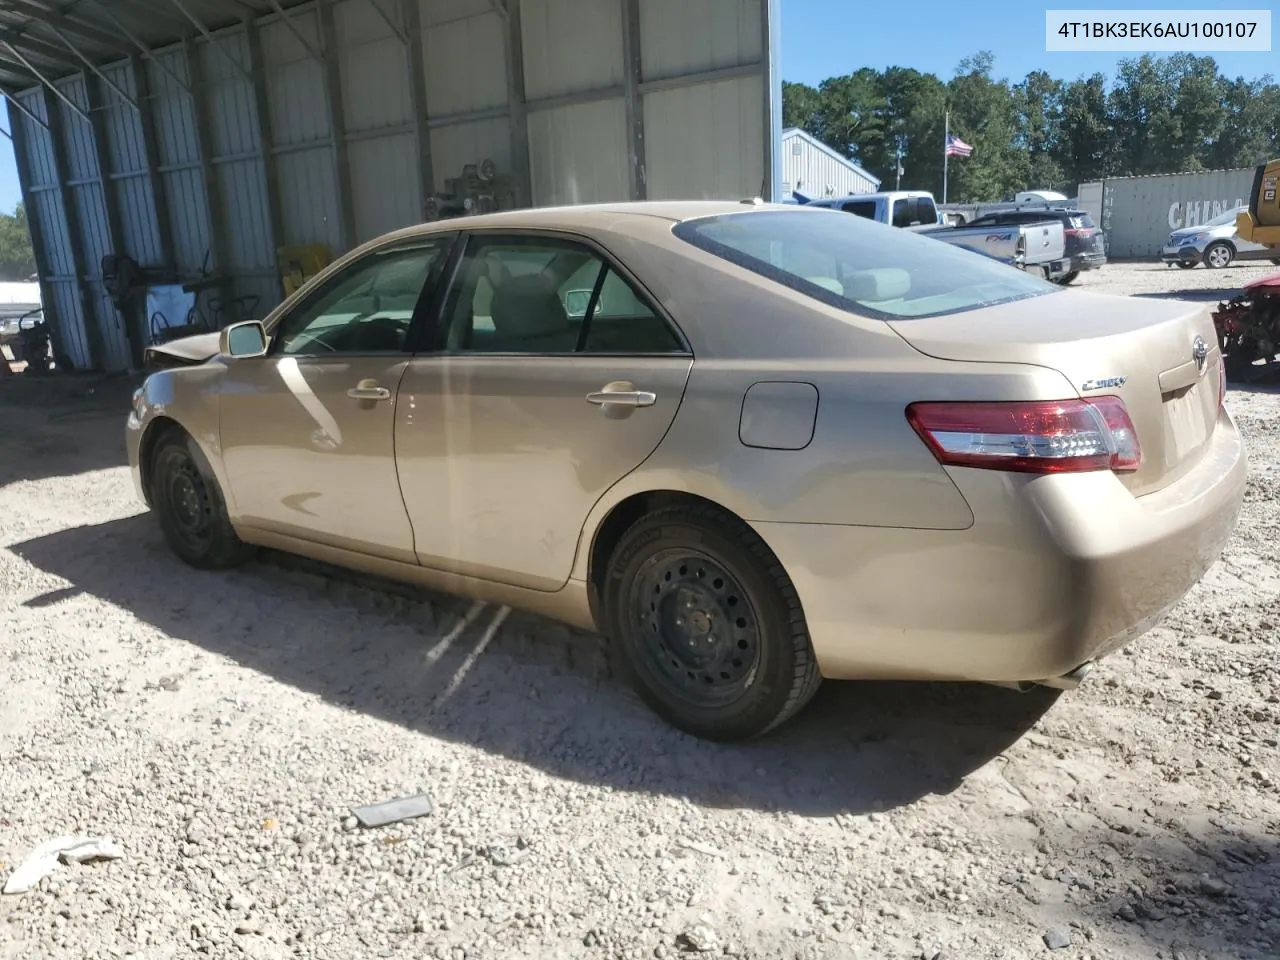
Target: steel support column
x=204 y=140
x=337 y=126
x=412 y=14
x=18 y=117
x=75 y=232
x=266 y=142
x=110 y=201
x=634 y=76
x=516 y=107
x=151 y=157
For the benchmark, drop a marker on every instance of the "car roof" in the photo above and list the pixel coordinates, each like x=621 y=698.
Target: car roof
x=592 y=214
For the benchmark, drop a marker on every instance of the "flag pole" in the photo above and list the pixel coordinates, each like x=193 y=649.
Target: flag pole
x=946 y=153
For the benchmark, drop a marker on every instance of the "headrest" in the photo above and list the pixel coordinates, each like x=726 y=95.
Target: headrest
x=872 y=286
x=528 y=306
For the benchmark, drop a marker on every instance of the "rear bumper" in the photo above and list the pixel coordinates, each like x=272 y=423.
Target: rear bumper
x=1055 y=571
x=1088 y=261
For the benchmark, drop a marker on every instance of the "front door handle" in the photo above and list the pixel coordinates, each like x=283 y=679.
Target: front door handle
x=623 y=394
x=369 y=390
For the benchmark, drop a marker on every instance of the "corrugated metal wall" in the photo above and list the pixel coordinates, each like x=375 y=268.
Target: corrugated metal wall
x=818 y=173
x=332 y=124
x=1138 y=213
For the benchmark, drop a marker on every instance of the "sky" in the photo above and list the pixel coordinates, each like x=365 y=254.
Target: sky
x=824 y=38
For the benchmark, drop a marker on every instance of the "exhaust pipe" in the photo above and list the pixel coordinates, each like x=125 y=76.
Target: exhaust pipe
x=1069 y=681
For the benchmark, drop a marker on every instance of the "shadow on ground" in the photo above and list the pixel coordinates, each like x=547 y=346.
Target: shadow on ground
x=1213 y=295
x=1216 y=896
x=537 y=695
x=42 y=424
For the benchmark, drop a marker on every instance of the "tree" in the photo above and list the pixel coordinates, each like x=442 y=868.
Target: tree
x=17 y=262
x=1158 y=115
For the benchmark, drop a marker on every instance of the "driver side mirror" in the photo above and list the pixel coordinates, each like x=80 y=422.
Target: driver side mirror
x=240 y=340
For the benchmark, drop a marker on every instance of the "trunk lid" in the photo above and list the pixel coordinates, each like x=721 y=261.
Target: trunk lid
x=1094 y=339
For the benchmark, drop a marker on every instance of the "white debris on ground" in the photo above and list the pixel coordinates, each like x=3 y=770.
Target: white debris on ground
x=222 y=727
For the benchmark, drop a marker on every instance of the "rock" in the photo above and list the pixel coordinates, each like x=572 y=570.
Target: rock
x=1057 y=939
x=1127 y=913
x=248 y=928
x=1214 y=888
x=699 y=939
x=350 y=823
x=240 y=903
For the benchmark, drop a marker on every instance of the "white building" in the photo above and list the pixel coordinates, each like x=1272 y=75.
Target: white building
x=813 y=169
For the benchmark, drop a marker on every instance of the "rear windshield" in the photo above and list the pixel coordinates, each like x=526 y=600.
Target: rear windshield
x=861 y=266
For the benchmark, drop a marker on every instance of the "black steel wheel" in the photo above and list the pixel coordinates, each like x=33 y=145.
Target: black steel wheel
x=708 y=624
x=190 y=508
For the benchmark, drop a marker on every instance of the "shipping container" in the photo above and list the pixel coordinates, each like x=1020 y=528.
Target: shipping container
x=814 y=170
x=1138 y=213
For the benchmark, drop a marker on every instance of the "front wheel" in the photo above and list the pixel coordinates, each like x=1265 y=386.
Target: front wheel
x=1186 y=266
x=191 y=509
x=708 y=624
x=1218 y=255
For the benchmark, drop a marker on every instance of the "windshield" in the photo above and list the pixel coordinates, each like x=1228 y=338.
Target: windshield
x=857 y=265
x=1225 y=218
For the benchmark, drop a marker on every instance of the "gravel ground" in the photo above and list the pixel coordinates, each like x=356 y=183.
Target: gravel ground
x=220 y=727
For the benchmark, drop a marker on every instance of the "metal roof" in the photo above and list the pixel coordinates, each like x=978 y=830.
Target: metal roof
x=43 y=40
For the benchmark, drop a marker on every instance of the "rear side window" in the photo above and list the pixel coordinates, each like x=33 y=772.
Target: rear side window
x=861 y=208
x=914 y=211
x=865 y=268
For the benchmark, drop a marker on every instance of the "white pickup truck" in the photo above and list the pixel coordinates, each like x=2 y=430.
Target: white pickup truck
x=1029 y=246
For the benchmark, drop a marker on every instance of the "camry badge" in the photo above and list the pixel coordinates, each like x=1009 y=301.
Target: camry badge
x=1103 y=384
x=1200 y=352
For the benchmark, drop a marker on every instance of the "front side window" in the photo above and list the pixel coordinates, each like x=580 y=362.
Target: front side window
x=541 y=295
x=865 y=268
x=368 y=308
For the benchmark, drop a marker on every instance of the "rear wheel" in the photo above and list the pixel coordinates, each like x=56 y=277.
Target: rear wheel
x=1276 y=261
x=1218 y=254
x=708 y=624
x=1067 y=278
x=189 y=505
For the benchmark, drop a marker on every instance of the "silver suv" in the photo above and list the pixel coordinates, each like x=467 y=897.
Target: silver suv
x=1214 y=243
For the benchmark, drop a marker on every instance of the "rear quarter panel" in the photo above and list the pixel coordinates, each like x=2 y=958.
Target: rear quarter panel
x=864 y=464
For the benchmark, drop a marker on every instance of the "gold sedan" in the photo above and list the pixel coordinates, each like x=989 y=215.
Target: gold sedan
x=754 y=445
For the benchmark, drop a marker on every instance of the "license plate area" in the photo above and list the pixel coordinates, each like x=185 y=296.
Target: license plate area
x=1185 y=423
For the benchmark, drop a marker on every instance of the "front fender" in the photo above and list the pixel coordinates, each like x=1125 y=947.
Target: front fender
x=188 y=398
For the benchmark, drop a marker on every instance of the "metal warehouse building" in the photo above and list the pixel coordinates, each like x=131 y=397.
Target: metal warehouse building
x=811 y=168
x=199 y=138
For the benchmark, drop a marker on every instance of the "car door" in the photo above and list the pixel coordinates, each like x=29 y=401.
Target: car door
x=308 y=430
x=551 y=377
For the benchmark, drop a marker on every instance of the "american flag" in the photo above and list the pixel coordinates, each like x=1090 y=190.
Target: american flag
x=957 y=147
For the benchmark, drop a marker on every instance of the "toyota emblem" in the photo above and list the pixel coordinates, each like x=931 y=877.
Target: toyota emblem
x=1200 y=352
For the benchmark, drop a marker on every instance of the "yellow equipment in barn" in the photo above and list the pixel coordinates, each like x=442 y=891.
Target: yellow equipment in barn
x=300 y=263
x=1261 y=222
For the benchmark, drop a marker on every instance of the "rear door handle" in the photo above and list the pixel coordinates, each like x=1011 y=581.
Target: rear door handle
x=622 y=393
x=369 y=390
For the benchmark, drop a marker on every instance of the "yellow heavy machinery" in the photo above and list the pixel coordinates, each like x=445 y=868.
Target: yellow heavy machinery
x=1249 y=324
x=1261 y=222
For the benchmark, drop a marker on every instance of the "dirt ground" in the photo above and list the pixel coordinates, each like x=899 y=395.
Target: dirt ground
x=219 y=727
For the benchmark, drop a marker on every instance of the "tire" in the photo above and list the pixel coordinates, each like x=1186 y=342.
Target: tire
x=1276 y=261
x=744 y=683
x=1186 y=266
x=1067 y=278
x=190 y=507
x=1218 y=255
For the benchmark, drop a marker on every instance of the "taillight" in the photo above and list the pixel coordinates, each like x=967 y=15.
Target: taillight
x=1053 y=436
